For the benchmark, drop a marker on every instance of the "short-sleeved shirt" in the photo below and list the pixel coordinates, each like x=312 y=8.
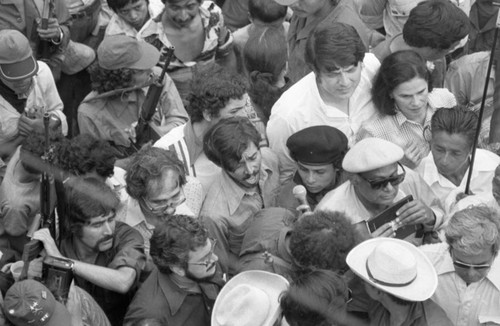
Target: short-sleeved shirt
x=127 y=251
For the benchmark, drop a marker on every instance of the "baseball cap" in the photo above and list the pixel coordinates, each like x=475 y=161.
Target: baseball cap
x=121 y=51
x=30 y=303
x=16 y=57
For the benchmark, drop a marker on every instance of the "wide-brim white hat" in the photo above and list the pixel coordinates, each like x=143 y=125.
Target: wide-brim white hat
x=396 y=257
x=250 y=298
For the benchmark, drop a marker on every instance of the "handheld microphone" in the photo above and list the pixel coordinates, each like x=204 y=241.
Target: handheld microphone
x=300 y=192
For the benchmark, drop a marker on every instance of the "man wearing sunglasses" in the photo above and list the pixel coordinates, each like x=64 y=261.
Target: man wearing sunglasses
x=377 y=182
x=467 y=267
x=183 y=287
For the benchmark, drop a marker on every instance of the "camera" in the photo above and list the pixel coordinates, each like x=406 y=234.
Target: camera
x=57 y=275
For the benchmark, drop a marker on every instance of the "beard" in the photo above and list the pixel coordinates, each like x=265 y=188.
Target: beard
x=212 y=269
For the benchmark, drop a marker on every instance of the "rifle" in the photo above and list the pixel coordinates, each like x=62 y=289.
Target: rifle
x=45 y=219
x=143 y=131
x=45 y=46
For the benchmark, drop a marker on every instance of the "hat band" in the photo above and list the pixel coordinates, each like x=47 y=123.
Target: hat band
x=370 y=275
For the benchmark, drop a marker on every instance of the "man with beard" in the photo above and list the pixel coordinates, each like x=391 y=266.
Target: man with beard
x=377 y=182
x=108 y=256
x=183 y=288
x=468 y=267
x=248 y=182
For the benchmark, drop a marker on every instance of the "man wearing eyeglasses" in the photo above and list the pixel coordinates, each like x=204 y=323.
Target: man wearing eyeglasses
x=467 y=267
x=157 y=186
x=183 y=288
x=378 y=181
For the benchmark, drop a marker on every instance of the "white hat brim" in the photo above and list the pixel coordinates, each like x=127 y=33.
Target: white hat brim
x=421 y=289
x=272 y=284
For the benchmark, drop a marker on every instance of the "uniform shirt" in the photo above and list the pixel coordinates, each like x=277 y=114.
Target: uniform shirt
x=106 y=116
x=127 y=251
x=476 y=304
x=301 y=106
x=228 y=208
x=403 y=132
x=485 y=164
x=162 y=299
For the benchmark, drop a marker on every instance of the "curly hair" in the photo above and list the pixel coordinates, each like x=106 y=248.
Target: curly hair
x=265 y=56
x=86 y=198
x=146 y=167
x=325 y=287
x=212 y=87
x=173 y=239
x=34 y=145
x=225 y=142
x=104 y=80
x=457 y=120
x=84 y=153
x=474 y=229
x=323 y=240
x=397 y=68
x=332 y=46
x=437 y=24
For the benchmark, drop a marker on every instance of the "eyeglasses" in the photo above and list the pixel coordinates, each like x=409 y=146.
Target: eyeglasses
x=382 y=183
x=209 y=261
x=171 y=203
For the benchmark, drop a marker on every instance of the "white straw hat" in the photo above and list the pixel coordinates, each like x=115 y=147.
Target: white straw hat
x=394 y=266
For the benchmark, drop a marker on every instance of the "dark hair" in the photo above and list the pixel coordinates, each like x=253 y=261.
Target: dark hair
x=266 y=11
x=332 y=46
x=212 y=87
x=397 y=68
x=116 y=5
x=323 y=240
x=33 y=148
x=87 y=198
x=327 y=287
x=146 y=167
x=456 y=120
x=265 y=56
x=437 y=24
x=175 y=1
x=84 y=153
x=225 y=142
x=104 y=80
x=173 y=239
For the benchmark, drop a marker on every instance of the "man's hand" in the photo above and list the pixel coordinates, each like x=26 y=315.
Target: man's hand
x=53 y=31
x=415 y=212
x=48 y=242
x=27 y=126
x=414 y=155
x=385 y=231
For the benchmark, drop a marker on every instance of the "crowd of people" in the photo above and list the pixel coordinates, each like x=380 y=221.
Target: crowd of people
x=249 y=162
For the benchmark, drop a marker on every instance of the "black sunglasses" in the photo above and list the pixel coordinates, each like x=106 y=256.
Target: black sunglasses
x=382 y=183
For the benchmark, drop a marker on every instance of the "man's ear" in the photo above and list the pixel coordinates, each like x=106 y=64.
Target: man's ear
x=178 y=270
x=206 y=116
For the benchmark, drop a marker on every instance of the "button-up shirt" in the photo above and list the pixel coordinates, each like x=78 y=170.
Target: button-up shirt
x=228 y=208
x=301 y=106
x=475 y=304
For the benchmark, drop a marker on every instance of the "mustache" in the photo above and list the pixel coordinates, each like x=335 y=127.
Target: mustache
x=248 y=176
x=106 y=238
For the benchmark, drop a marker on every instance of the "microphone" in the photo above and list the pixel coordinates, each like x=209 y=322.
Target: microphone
x=299 y=192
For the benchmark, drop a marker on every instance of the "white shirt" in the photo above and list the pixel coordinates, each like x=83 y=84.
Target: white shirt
x=485 y=164
x=344 y=199
x=476 y=304
x=301 y=106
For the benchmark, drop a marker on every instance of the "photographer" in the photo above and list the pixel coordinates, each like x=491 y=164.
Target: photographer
x=107 y=256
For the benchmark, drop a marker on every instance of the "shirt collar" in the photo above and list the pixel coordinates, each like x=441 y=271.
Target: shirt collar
x=237 y=192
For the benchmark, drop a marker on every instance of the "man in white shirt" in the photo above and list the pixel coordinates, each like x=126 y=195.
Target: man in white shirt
x=467 y=267
x=337 y=93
